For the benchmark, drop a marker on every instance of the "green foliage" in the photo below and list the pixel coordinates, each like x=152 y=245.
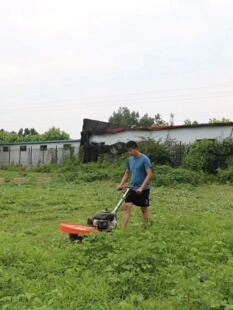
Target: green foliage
x=46 y=168
x=8 y=136
x=225 y=175
x=189 y=122
x=216 y=121
x=146 y=121
x=176 y=150
x=200 y=157
x=155 y=150
x=168 y=176
x=114 y=166
x=159 y=121
x=208 y=156
x=55 y=134
x=26 y=135
x=27 y=131
x=125 y=117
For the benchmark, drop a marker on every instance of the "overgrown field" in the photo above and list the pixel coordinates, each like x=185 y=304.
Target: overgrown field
x=183 y=260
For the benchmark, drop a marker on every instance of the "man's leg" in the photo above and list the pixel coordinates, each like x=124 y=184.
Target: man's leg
x=145 y=215
x=126 y=214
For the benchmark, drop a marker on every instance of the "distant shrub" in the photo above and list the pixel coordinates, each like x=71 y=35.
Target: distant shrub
x=13 y=167
x=4 y=167
x=109 y=160
x=168 y=176
x=209 y=156
x=163 y=169
x=155 y=150
x=201 y=158
x=225 y=175
x=46 y=168
x=70 y=176
x=113 y=166
x=88 y=167
x=94 y=176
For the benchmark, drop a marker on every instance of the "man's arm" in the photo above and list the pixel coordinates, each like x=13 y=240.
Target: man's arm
x=124 y=179
x=146 y=181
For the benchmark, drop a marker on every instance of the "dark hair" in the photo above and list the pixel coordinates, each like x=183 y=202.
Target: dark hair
x=131 y=145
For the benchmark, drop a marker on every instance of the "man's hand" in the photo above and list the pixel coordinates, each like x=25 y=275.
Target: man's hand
x=120 y=187
x=139 y=190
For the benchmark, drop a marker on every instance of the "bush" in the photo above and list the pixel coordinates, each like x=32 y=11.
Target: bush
x=155 y=150
x=201 y=158
x=13 y=167
x=46 y=168
x=94 y=176
x=225 y=175
x=168 y=176
x=208 y=156
x=113 y=166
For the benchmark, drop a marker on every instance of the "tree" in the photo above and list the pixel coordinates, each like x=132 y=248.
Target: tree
x=146 y=121
x=159 y=121
x=27 y=131
x=209 y=156
x=215 y=121
x=26 y=135
x=55 y=134
x=189 y=122
x=33 y=131
x=6 y=136
x=20 y=132
x=3 y=135
x=124 y=117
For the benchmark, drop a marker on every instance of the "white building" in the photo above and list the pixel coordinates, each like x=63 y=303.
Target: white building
x=101 y=137
x=184 y=134
x=37 y=152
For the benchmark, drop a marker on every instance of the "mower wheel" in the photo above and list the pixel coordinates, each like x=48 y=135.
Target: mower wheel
x=75 y=237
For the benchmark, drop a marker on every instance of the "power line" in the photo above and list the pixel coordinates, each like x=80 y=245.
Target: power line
x=80 y=118
x=126 y=101
x=126 y=95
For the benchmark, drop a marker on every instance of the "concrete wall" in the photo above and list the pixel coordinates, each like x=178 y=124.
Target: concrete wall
x=36 y=153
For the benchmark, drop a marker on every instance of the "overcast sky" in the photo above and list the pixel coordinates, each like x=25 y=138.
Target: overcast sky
x=63 y=61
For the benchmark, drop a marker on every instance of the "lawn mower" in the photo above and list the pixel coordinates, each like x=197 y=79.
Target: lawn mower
x=104 y=220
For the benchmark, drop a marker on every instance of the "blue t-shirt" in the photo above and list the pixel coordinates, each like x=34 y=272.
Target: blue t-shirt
x=138 y=167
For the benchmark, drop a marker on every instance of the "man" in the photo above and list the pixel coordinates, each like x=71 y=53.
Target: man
x=140 y=169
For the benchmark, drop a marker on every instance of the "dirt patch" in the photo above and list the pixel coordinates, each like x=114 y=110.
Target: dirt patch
x=43 y=179
x=19 y=180
x=23 y=180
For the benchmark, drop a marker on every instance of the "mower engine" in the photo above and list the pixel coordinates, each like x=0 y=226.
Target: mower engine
x=103 y=220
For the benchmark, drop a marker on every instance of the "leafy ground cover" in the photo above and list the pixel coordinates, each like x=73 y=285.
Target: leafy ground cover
x=183 y=260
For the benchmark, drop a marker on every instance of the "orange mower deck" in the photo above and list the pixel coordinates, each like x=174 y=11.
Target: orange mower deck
x=77 y=229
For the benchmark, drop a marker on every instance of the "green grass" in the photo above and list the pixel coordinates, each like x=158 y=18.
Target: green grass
x=184 y=260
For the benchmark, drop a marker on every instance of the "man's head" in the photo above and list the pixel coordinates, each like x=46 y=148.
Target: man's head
x=132 y=148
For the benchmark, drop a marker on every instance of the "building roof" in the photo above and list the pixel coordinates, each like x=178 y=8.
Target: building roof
x=173 y=127
x=40 y=142
x=98 y=127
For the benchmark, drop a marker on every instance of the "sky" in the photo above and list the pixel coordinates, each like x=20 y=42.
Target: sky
x=63 y=61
